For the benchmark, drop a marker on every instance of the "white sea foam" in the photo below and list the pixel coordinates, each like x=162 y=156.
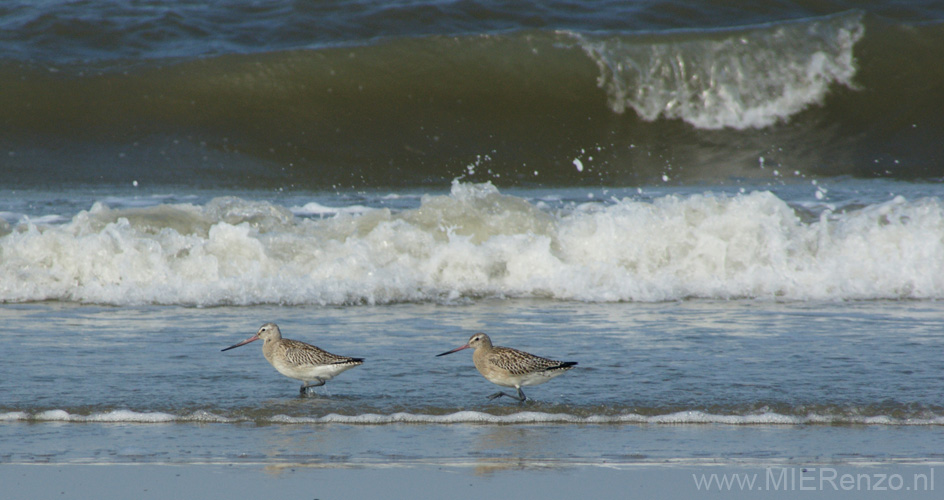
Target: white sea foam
x=315 y=208
x=112 y=416
x=115 y=416
x=477 y=417
x=742 y=79
x=478 y=242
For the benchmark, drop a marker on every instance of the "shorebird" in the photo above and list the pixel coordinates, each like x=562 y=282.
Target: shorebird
x=299 y=360
x=509 y=367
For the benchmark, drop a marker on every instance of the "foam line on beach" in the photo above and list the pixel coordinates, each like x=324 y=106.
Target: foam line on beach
x=473 y=417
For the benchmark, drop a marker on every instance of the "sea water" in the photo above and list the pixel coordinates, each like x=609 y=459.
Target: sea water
x=726 y=321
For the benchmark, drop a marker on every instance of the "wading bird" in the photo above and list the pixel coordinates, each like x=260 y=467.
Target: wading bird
x=509 y=367
x=299 y=360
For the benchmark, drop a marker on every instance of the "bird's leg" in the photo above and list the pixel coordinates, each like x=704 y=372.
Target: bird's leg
x=306 y=385
x=520 y=397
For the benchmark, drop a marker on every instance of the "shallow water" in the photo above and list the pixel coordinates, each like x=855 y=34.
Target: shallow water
x=683 y=380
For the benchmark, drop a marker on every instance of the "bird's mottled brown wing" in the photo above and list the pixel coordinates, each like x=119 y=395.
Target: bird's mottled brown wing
x=300 y=353
x=519 y=362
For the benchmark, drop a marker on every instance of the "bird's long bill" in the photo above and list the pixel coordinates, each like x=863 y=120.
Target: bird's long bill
x=250 y=339
x=448 y=352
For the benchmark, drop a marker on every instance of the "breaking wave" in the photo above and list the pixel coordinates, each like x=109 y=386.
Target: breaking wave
x=478 y=242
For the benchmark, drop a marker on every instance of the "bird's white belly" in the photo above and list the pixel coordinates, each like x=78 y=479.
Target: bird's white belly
x=508 y=380
x=307 y=373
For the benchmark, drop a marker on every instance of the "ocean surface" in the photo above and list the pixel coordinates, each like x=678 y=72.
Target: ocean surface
x=730 y=213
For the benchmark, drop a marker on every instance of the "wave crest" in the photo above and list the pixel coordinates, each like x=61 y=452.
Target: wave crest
x=745 y=79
